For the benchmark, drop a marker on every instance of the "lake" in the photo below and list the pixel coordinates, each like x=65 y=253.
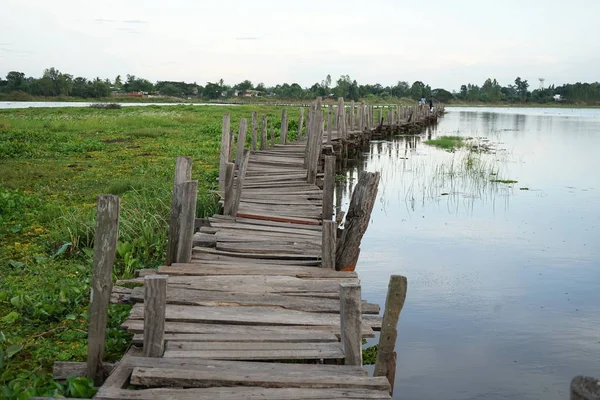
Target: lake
x=503 y=278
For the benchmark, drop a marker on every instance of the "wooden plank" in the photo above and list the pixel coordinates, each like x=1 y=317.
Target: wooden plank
x=246 y=393
x=270 y=226
x=136 y=326
x=201 y=257
x=265 y=355
x=207 y=298
x=67 y=369
x=275 y=256
x=251 y=315
x=276 y=224
x=250 y=346
x=351 y=323
x=277 y=218
x=328 y=244
x=266 y=248
x=250 y=268
x=105 y=244
x=155 y=300
x=309 y=337
x=225 y=151
x=152 y=377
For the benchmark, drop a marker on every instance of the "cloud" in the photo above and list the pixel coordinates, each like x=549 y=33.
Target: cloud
x=247 y=38
x=134 y=21
x=102 y=20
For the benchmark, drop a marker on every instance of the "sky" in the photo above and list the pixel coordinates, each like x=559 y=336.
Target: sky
x=442 y=43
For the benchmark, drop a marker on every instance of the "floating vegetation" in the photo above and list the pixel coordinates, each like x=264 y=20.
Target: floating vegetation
x=506 y=181
x=106 y=106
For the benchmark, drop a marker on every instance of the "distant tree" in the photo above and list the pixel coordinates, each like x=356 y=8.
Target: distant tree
x=261 y=87
x=118 y=83
x=522 y=86
x=170 y=90
x=463 y=92
x=15 y=81
x=80 y=87
x=213 y=90
x=402 y=89
x=243 y=86
x=416 y=90
x=442 y=95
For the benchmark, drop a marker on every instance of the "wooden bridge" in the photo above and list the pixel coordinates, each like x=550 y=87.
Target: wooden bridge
x=262 y=301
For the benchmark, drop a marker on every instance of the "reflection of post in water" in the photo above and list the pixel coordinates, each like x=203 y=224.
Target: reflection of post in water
x=379 y=149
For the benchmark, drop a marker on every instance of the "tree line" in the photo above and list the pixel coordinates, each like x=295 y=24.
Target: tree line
x=55 y=83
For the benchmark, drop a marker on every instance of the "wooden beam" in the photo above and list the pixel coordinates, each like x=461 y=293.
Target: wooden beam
x=240 y=183
x=183 y=173
x=328 y=244
x=351 y=323
x=357 y=220
x=328 y=187
x=386 y=356
x=229 y=199
x=224 y=158
x=284 y=127
x=105 y=244
x=254 y=131
x=155 y=303
x=241 y=141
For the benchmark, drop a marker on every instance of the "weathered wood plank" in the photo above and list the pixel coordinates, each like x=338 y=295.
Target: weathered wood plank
x=309 y=337
x=241 y=315
x=152 y=377
x=277 y=256
x=155 y=300
x=246 y=393
x=105 y=244
x=136 y=326
x=67 y=369
x=207 y=298
x=334 y=353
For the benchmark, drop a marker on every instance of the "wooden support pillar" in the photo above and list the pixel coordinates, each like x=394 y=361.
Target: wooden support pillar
x=263 y=133
x=380 y=118
x=386 y=356
x=301 y=123
x=585 y=388
x=183 y=173
x=240 y=183
x=105 y=245
x=254 y=131
x=316 y=141
x=284 y=127
x=155 y=304
x=231 y=145
x=357 y=220
x=328 y=187
x=352 y=123
x=229 y=190
x=225 y=151
x=351 y=323
x=342 y=132
x=330 y=124
x=185 y=194
x=328 y=244
x=241 y=143
x=272 y=132
x=310 y=133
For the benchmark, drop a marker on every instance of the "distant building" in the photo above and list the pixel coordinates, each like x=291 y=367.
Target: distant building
x=557 y=97
x=252 y=93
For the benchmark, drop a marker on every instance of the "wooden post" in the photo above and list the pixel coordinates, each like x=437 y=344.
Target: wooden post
x=254 y=131
x=386 y=356
x=328 y=245
x=301 y=123
x=328 y=187
x=357 y=220
x=585 y=388
x=229 y=191
x=105 y=244
x=231 y=144
x=186 y=194
x=272 y=131
x=316 y=140
x=263 y=133
x=352 y=123
x=155 y=304
x=351 y=323
x=380 y=118
x=310 y=133
x=342 y=131
x=329 y=124
x=183 y=173
x=241 y=141
x=224 y=151
x=240 y=183
x=284 y=127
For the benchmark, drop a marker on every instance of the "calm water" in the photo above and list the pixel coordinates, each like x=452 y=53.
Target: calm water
x=503 y=283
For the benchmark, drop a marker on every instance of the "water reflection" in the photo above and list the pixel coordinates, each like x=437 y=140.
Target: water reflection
x=502 y=299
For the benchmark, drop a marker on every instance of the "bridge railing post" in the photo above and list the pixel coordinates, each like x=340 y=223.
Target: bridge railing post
x=155 y=304
x=351 y=323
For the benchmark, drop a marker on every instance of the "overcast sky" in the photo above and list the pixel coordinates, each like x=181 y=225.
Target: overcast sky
x=441 y=42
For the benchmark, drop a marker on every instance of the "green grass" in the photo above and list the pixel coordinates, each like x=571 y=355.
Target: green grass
x=54 y=162
x=449 y=143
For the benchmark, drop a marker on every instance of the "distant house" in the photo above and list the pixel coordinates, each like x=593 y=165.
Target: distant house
x=557 y=97
x=252 y=93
